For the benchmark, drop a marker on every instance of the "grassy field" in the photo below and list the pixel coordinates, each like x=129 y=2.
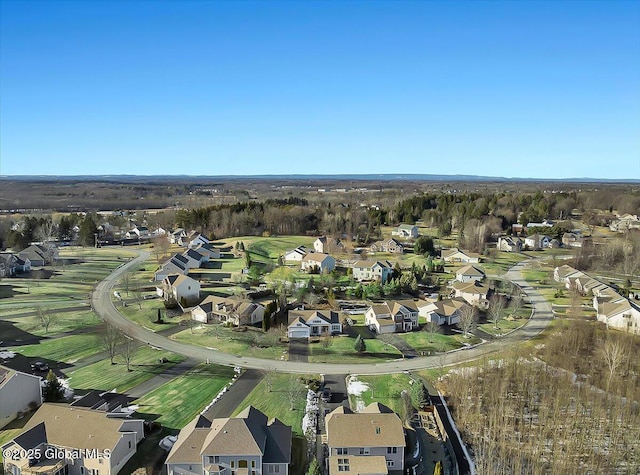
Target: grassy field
x=276 y=403
x=229 y=341
x=384 y=389
x=68 y=349
x=420 y=341
x=501 y=262
x=181 y=399
x=61 y=322
x=341 y=350
x=105 y=376
x=145 y=314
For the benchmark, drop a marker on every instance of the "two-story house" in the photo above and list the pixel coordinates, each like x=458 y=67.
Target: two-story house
x=181 y=288
x=310 y=323
x=392 y=317
x=469 y=273
x=18 y=393
x=227 y=309
x=376 y=431
x=65 y=440
x=408 y=231
x=388 y=245
x=327 y=245
x=475 y=293
x=380 y=271
x=316 y=262
x=443 y=312
x=247 y=444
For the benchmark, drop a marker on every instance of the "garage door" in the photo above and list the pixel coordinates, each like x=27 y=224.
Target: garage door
x=298 y=334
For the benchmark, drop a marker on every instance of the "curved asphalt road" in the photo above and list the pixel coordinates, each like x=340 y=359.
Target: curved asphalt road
x=104 y=307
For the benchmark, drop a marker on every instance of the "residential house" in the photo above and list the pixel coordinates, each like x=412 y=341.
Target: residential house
x=327 y=244
x=310 y=323
x=172 y=266
x=138 y=232
x=509 y=244
x=296 y=254
x=375 y=432
x=620 y=313
x=388 y=245
x=8 y=264
x=572 y=240
x=113 y=403
x=194 y=239
x=562 y=272
x=74 y=441
x=358 y=464
x=625 y=222
x=537 y=241
x=248 y=444
x=39 y=254
x=19 y=393
x=443 y=312
x=316 y=262
x=176 y=236
x=469 y=273
x=456 y=255
x=380 y=271
x=209 y=249
x=228 y=309
x=408 y=231
x=392 y=317
x=474 y=293
x=544 y=224
x=194 y=258
x=181 y=288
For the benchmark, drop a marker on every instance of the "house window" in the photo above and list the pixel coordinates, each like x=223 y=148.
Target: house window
x=253 y=464
x=392 y=450
x=343 y=465
x=342 y=451
x=390 y=463
x=276 y=469
x=213 y=459
x=377 y=430
x=129 y=444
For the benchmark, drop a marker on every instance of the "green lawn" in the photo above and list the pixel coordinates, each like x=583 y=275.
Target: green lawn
x=385 y=389
x=341 y=350
x=276 y=403
x=502 y=261
x=146 y=313
x=421 y=341
x=228 y=341
x=181 y=399
x=67 y=349
x=60 y=322
x=103 y=375
x=504 y=326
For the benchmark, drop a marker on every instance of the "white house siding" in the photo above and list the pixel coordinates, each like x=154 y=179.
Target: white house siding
x=16 y=394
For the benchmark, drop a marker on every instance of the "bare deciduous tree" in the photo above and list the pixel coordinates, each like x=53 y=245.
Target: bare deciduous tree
x=496 y=309
x=127 y=348
x=111 y=338
x=468 y=316
x=46 y=318
x=295 y=390
x=432 y=328
x=517 y=302
x=612 y=353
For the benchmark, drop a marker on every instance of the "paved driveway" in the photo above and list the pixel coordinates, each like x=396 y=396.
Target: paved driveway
x=298 y=349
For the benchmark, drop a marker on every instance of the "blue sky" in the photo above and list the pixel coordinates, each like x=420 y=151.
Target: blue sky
x=515 y=88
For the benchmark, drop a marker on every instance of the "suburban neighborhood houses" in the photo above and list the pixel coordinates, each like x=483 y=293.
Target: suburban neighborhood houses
x=402 y=294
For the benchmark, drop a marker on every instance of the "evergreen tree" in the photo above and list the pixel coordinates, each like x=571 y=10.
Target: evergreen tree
x=360 y=346
x=314 y=467
x=88 y=231
x=52 y=390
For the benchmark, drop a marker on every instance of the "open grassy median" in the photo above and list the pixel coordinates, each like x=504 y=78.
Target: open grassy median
x=422 y=341
x=385 y=389
x=340 y=349
x=181 y=399
x=105 y=376
x=218 y=337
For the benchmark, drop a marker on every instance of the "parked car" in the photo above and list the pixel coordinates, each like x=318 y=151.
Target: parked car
x=326 y=394
x=40 y=366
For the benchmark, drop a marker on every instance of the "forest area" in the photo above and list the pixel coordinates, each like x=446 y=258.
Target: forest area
x=570 y=406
